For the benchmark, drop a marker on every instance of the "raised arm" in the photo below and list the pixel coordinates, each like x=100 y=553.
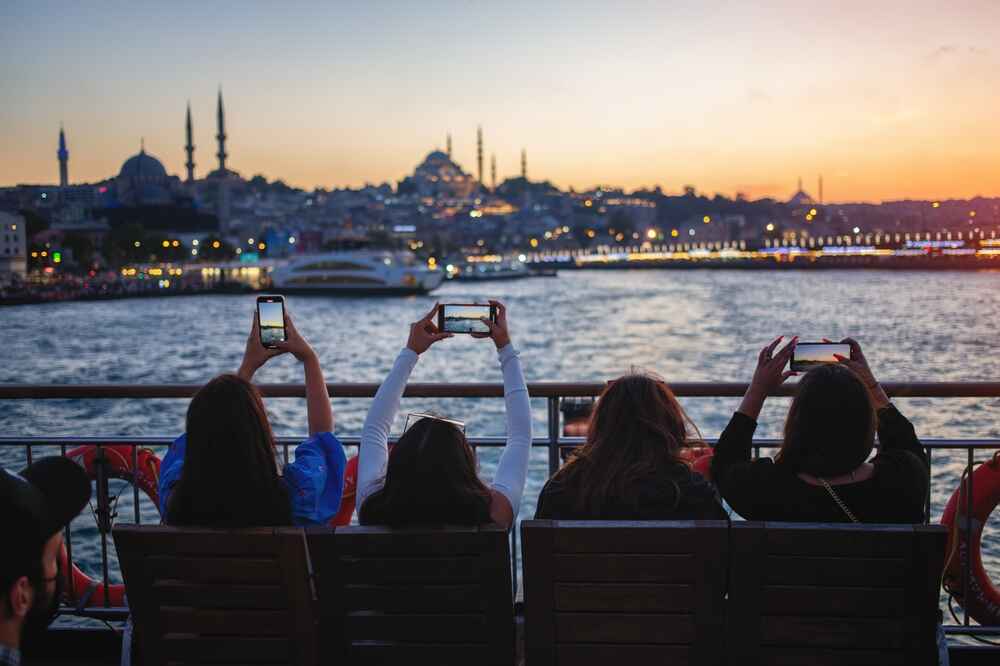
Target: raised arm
x=374 y=454
x=318 y=408
x=512 y=470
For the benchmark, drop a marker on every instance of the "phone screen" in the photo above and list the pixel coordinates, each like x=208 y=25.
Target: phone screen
x=809 y=354
x=464 y=318
x=271 y=313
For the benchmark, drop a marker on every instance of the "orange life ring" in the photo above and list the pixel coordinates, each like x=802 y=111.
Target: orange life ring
x=699 y=458
x=983 y=601
x=347 y=498
x=82 y=590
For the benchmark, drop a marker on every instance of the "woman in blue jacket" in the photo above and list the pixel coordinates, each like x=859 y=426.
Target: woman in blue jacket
x=223 y=471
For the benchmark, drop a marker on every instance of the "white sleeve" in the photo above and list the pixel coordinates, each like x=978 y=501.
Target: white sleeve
x=373 y=456
x=513 y=466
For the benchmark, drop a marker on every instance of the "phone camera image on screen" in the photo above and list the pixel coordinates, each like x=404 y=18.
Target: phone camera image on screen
x=810 y=354
x=271 y=314
x=465 y=318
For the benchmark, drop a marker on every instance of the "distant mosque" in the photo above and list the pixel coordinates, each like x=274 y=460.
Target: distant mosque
x=143 y=181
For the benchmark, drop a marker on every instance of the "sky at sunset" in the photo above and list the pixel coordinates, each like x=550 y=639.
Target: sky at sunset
x=886 y=99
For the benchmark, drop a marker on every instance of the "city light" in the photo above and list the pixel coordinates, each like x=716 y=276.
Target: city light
x=588 y=203
x=195 y=242
x=57 y=257
x=216 y=244
x=812 y=212
x=194 y=251
x=239 y=250
x=44 y=253
x=249 y=241
x=166 y=243
x=770 y=226
x=936 y=204
x=674 y=233
x=857 y=230
x=706 y=219
x=261 y=245
x=522 y=258
x=651 y=234
x=691 y=232
x=176 y=243
x=137 y=244
x=291 y=240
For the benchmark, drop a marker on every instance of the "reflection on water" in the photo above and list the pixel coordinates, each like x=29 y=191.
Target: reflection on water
x=684 y=325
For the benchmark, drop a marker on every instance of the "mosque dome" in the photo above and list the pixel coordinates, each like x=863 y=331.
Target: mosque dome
x=143 y=168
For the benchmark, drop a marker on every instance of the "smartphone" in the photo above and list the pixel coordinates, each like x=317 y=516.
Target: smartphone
x=271 y=315
x=465 y=317
x=809 y=354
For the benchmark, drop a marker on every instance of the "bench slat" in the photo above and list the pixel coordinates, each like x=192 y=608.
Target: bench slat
x=639 y=537
x=602 y=654
x=623 y=597
x=206 y=595
x=179 y=647
x=428 y=570
x=816 y=656
x=422 y=628
x=454 y=654
x=833 y=601
x=624 y=568
x=834 y=572
x=214 y=569
x=414 y=598
x=832 y=632
x=211 y=622
x=624 y=628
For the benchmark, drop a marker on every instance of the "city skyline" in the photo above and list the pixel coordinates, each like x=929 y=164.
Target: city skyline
x=641 y=96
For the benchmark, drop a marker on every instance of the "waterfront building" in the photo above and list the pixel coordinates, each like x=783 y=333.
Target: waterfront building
x=13 y=247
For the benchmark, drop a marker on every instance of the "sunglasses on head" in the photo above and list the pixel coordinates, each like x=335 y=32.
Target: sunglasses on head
x=413 y=417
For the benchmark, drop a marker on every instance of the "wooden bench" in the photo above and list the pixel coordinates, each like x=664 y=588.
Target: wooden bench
x=414 y=596
x=219 y=596
x=834 y=594
x=617 y=593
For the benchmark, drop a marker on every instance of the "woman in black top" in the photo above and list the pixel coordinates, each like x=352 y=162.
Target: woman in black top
x=821 y=472
x=630 y=467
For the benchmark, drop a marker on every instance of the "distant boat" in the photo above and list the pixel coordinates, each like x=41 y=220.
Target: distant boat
x=498 y=269
x=356 y=272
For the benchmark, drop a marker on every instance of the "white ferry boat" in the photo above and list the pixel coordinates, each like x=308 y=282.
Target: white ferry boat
x=360 y=271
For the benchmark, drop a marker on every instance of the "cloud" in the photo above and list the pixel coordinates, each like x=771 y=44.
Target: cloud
x=950 y=50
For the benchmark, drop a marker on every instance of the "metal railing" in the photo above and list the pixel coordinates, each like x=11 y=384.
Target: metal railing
x=552 y=392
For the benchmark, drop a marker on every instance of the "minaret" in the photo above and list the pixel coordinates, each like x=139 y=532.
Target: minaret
x=449 y=145
x=493 y=170
x=189 y=148
x=63 y=156
x=821 y=190
x=479 y=152
x=800 y=184
x=221 y=136
x=524 y=164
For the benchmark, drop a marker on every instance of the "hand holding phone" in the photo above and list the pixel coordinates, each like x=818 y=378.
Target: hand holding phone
x=497 y=325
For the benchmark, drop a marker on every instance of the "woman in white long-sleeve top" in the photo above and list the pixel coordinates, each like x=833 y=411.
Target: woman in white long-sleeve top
x=430 y=477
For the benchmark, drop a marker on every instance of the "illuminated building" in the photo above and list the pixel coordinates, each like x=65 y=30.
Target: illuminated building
x=13 y=247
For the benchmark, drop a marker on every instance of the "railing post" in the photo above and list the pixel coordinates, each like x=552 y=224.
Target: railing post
x=964 y=551
x=103 y=516
x=553 y=435
x=513 y=557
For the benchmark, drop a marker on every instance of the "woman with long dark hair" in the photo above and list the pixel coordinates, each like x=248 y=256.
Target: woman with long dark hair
x=631 y=468
x=822 y=472
x=223 y=471
x=430 y=475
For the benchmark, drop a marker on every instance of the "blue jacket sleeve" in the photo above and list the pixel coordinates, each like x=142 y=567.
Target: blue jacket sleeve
x=315 y=479
x=170 y=472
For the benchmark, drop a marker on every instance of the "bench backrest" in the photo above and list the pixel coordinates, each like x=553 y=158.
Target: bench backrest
x=834 y=594
x=624 y=592
x=437 y=595
x=219 y=596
